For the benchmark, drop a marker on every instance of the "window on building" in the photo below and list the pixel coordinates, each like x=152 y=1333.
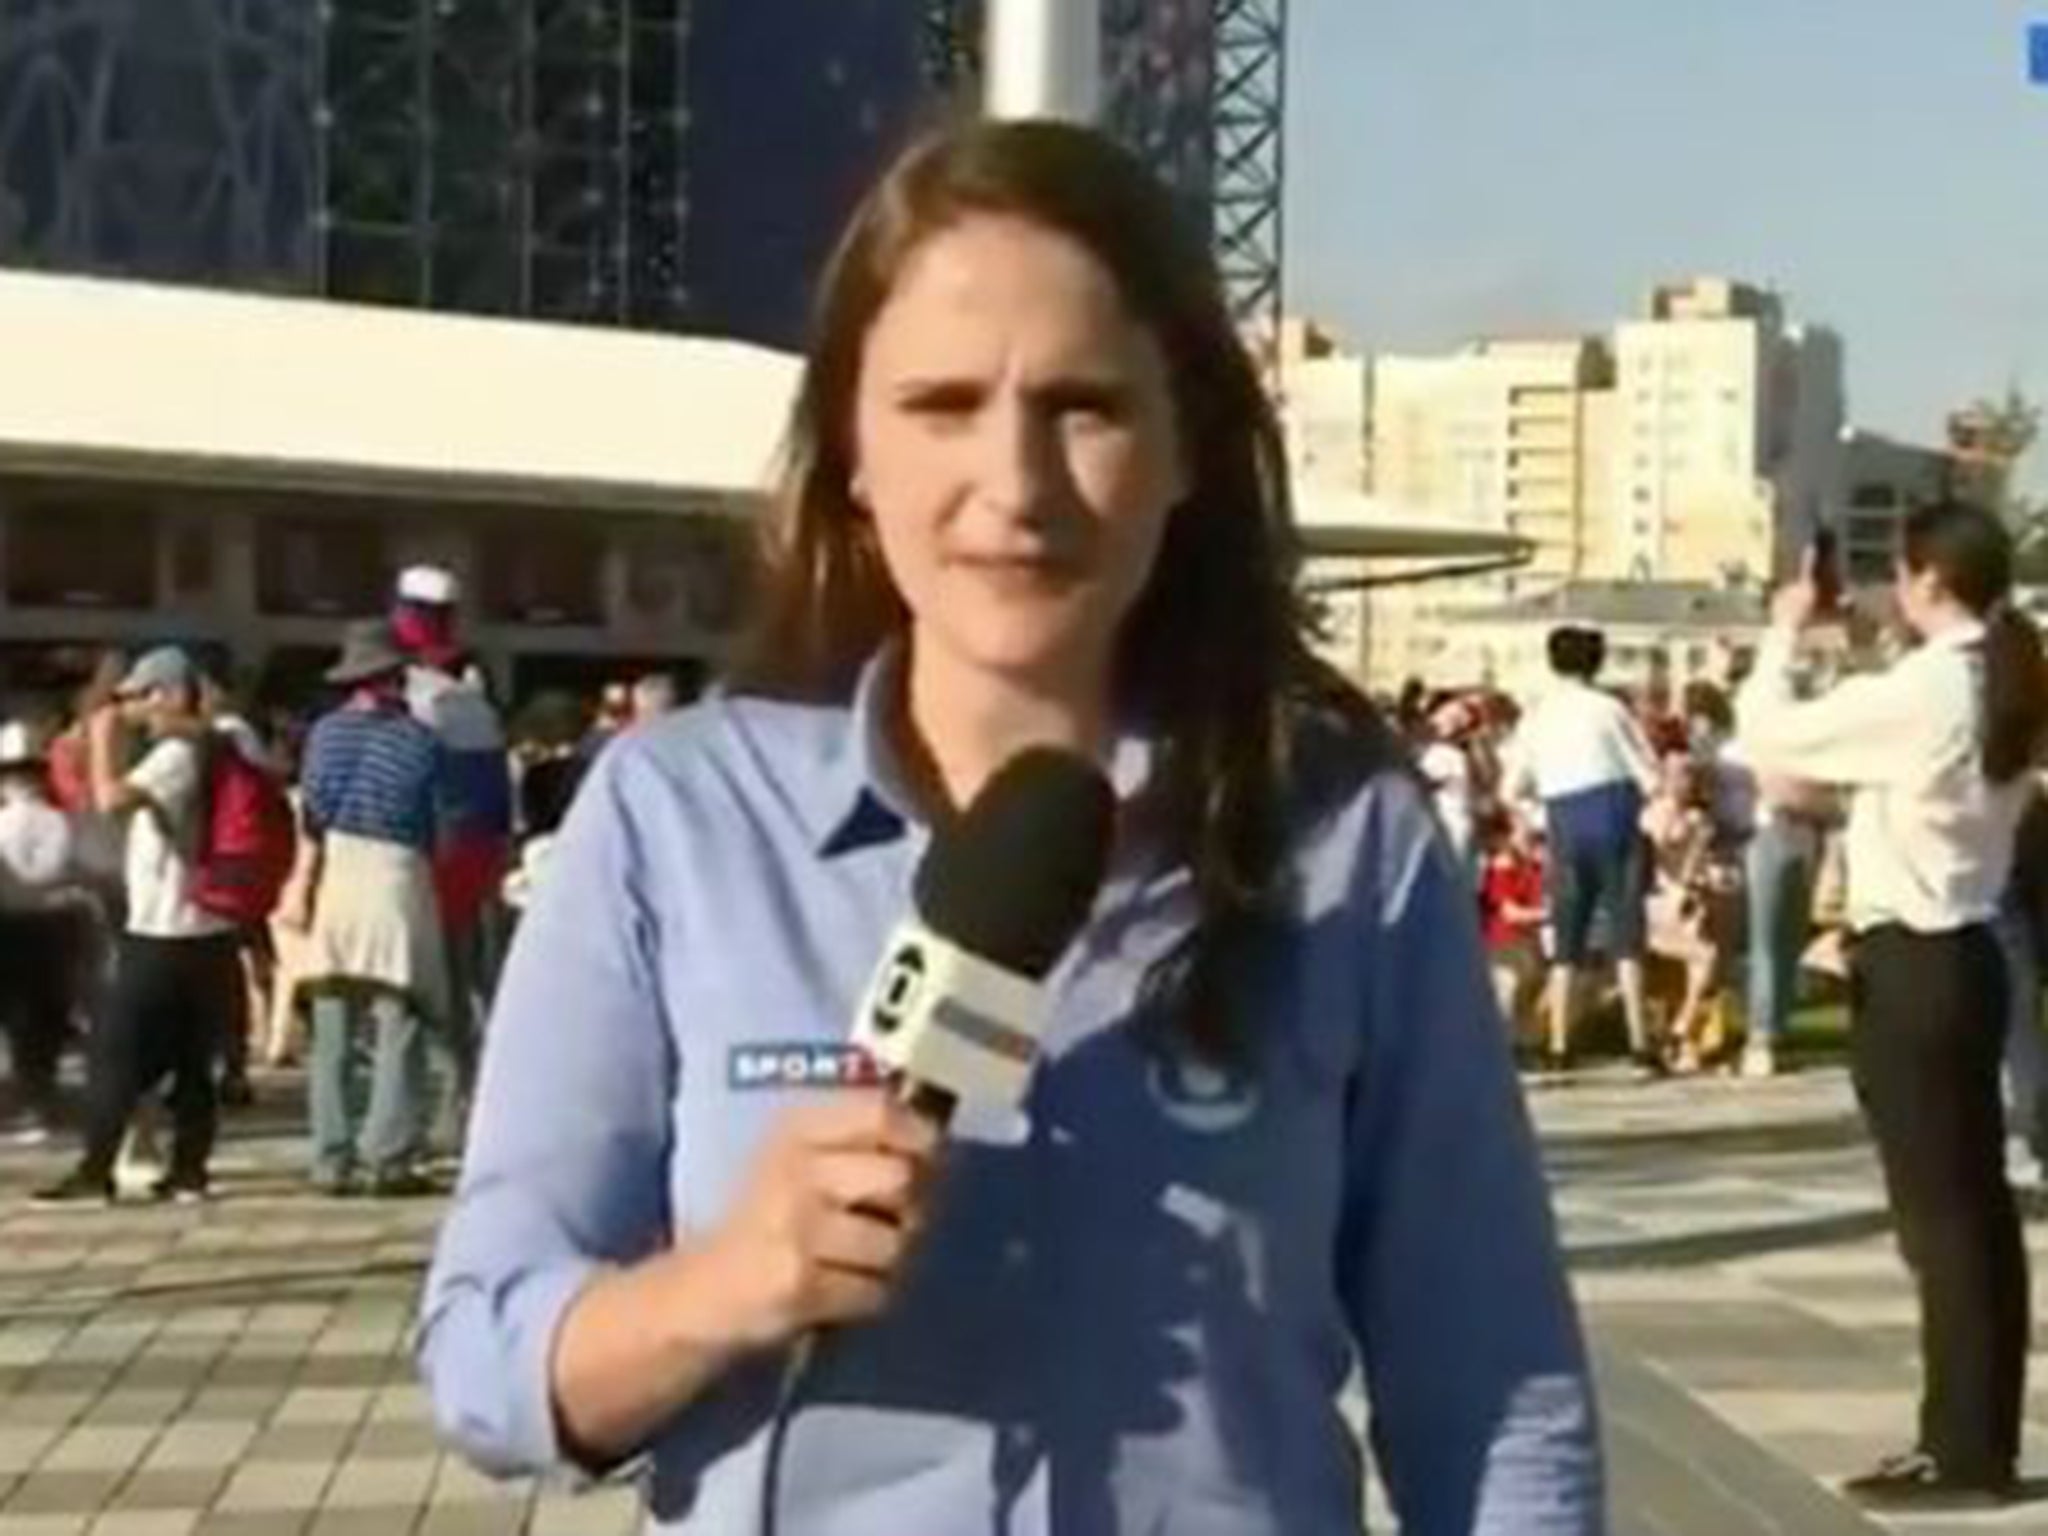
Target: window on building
x=80 y=549
x=694 y=575
x=545 y=575
x=191 y=559
x=321 y=567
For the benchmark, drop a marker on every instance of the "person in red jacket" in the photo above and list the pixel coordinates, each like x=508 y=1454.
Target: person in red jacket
x=447 y=693
x=1511 y=915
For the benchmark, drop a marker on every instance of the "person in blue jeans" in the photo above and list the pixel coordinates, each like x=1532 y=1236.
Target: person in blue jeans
x=1779 y=866
x=372 y=785
x=1583 y=759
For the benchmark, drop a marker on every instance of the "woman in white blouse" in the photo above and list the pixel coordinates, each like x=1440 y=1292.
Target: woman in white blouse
x=1934 y=753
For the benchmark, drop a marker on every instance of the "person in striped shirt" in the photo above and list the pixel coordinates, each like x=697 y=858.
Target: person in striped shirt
x=373 y=787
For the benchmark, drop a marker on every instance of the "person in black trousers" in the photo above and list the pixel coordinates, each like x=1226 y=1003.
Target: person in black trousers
x=36 y=921
x=1936 y=753
x=175 y=972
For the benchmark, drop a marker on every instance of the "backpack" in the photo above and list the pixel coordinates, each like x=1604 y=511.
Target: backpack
x=248 y=838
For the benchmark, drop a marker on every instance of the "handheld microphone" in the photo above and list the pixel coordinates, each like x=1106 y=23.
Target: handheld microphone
x=957 y=1006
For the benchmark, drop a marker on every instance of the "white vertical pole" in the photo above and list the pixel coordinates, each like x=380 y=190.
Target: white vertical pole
x=1043 y=58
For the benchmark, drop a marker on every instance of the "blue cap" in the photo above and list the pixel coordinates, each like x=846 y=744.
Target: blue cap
x=164 y=667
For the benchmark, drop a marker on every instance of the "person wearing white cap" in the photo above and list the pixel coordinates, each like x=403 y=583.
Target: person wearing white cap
x=475 y=846
x=176 y=972
x=36 y=872
x=429 y=585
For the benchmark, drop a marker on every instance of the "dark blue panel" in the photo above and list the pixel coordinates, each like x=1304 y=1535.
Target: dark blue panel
x=794 y=106
x=158 y=138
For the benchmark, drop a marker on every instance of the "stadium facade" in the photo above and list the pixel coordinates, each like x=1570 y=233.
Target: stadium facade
x=672 y=170
x=652 y=163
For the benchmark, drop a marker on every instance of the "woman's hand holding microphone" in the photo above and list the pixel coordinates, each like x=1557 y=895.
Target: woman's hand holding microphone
x=833 y=1205
x=830 y=1209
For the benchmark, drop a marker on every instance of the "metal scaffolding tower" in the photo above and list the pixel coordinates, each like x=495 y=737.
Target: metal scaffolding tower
x=1198 y=89
x=166 y=139
x=519 y=157
x=950 y=44
x=1249 y=117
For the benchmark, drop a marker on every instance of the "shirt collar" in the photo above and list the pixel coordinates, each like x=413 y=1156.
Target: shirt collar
x=866 y=797
x=1959 y=636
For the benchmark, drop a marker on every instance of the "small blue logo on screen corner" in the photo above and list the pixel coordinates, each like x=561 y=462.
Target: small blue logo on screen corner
x=2037 y=52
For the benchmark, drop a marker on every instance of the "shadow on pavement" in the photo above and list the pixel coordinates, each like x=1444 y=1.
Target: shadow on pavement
x=1719 y=1245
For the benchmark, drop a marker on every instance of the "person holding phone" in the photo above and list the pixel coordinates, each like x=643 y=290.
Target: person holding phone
x=1934 y=753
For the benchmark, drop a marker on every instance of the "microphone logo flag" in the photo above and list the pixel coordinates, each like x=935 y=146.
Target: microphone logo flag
x=899 y=989
x=941 y=1016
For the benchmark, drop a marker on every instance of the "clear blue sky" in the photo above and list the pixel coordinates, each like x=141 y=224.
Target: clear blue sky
x=1461 y=166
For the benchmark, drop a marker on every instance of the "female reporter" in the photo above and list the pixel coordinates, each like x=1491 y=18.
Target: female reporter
x=1035 y=495
x=1935 y=753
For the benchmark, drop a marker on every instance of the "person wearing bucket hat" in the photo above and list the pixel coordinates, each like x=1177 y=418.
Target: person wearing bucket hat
x=176 y=971
x=374 y=966
x=36 y=877
x=369 y=653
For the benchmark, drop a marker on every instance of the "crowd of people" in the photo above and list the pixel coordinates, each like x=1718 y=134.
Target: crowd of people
x=1612 y=830
x=1624 y=831
x=185 y=891
x=1033 y=501
x=1620 y=845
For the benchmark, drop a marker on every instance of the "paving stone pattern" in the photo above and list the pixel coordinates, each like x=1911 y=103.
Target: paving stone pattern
x=243 y=1369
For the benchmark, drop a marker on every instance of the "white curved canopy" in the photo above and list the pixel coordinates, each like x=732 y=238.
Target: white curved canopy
x=122 y=378
x=110 y=378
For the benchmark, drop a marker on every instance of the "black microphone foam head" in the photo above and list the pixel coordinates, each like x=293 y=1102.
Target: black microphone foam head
x=1013 y=877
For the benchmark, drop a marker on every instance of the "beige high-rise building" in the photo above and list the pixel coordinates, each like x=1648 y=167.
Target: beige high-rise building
x=1495 y=434
x=1728 y=436
x=1503 y=434
x=1325 y=407
x=1325 y=401
x=1703 y=445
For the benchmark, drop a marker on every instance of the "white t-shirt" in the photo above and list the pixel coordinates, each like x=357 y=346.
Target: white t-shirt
x=1577 y=738
x=1449 y=773
x=158 y=871
x=35 y=850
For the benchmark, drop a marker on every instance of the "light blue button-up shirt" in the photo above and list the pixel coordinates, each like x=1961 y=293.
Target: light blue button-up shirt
x=1137 y=1303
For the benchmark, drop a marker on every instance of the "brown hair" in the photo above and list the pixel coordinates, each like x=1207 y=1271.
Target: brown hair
x=1971 y=551
x=1214 y=657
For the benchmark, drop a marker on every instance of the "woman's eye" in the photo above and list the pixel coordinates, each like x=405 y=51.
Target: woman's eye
x=1089 y=405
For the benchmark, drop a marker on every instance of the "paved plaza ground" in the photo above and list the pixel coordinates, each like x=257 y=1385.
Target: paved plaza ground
x=242 y=1369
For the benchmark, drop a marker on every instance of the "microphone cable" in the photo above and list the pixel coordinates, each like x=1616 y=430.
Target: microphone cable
x=789 y=1389
x=937 y=1105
